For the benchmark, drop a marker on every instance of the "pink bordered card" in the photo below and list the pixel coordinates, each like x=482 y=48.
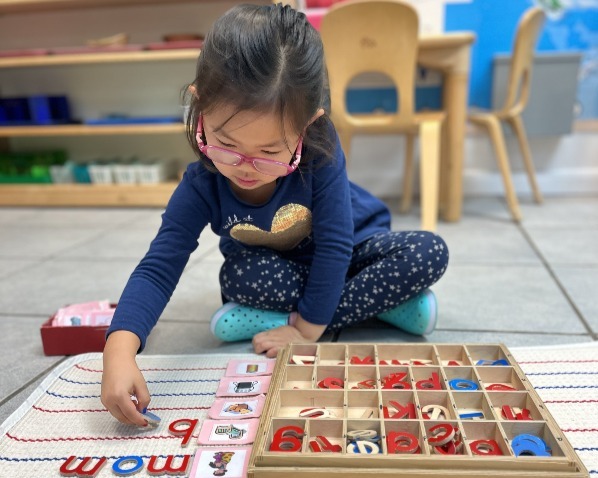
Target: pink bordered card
x=249 y=368
x=247 y=407
x=228 y=432
x=243 y=386
x=227 y=461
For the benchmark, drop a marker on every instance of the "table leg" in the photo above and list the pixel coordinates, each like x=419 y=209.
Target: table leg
x=455 y=105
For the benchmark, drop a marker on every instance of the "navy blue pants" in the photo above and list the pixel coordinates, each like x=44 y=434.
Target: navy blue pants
x=386 y=270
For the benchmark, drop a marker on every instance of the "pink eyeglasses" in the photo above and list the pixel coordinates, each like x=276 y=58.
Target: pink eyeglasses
x=232 y=158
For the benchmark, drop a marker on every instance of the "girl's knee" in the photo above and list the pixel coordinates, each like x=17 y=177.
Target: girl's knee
x=427 y=247
x=436 y=248
x=435 y=241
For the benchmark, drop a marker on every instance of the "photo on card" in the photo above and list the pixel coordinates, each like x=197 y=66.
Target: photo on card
x=243 y=386
x=240 y=368
x=228 y=432
x=243 y=408
x=230 y=462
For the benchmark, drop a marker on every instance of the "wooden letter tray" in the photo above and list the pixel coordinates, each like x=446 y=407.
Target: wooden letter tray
x=482 y=379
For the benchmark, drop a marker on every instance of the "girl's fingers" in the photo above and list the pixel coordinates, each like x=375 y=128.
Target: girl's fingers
x=260 y=343
x=131 y=414
x=116 y=413
x=269 y=346
x=142 y=394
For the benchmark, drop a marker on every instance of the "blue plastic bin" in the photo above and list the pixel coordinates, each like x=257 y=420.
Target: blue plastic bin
x=34 y=110
x=14 y=111
x=49 y=109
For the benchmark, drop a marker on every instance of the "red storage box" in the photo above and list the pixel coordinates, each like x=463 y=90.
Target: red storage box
x=72 y=340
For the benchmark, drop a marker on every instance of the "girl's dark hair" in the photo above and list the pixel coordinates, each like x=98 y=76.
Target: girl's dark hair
x=264 y=58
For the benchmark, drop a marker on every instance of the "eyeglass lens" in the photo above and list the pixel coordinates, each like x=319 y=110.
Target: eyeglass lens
x=231 y=159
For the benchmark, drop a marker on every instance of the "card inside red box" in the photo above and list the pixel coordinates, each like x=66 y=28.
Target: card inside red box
x=72 y=340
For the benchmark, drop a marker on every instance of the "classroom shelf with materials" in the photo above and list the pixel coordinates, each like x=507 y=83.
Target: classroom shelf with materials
x=80 y=65
x=30 y=6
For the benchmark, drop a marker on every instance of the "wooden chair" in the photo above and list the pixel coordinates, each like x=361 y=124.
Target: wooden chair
x=517 y=96
x=362 y=36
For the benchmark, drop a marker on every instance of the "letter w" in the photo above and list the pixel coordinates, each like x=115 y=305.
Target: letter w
x=66 y=470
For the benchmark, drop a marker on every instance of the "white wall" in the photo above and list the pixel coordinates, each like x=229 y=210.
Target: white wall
x=564 y=165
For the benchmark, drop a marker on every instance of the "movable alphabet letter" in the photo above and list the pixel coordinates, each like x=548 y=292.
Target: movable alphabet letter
x=80 y=471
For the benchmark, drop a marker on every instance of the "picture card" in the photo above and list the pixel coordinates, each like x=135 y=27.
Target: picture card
x=243 y=386
x=240 y=368
x=228 y=432
x=230 y=462
x=248 y=407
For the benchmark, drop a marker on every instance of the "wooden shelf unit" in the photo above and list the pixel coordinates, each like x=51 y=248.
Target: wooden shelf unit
x=36 y=6
x=100 y=57
x=53 y=195
x=86 y=195
x=89 y=130
x=150 y=195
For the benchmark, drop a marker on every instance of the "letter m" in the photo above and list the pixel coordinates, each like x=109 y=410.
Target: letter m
x=168 y=468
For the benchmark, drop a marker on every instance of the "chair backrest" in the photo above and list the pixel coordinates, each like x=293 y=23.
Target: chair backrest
x=362 y=36
x=522 y=60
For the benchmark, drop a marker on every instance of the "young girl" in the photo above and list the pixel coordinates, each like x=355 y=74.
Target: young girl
x=305 y=250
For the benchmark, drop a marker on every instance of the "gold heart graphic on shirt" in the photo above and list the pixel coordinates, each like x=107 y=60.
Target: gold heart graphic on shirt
x=290 y=225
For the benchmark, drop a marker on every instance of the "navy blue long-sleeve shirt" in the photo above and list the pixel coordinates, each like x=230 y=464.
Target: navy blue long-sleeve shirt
x=315 y=217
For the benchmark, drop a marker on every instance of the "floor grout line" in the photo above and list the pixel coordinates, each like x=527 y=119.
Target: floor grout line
x=31 y=381
x=557 y=281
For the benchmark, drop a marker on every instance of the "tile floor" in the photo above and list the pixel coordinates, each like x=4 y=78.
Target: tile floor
x=528 y=284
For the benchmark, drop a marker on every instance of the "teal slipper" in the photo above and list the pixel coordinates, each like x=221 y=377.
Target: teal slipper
x=418 y=315
x=233 y=322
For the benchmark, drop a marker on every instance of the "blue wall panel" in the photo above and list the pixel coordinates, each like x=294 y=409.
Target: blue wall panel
x=574 y=28
x=570 y=28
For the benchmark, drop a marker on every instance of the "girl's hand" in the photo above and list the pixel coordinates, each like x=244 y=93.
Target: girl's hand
x=271 y=341
x=122 y=378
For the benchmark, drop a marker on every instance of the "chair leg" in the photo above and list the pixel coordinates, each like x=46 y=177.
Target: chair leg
x=518 y=128
x=407 y=198
x=430 y=173
x=498 y=142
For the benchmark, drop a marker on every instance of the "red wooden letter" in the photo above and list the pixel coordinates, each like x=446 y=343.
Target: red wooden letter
x=432 y=384
x=167 y=469
x=287 y=439
x=186 y=433
x=485 y=447
x=80 y=469
x=407 y=411
x=402 y=442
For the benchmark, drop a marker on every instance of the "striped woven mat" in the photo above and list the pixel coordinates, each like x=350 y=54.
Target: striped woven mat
x=64 y=416
x=566 y=378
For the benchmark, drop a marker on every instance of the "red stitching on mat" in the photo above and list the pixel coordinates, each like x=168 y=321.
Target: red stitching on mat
x=570 y=401
x=562 y=361
x=98 y=410
x=581 y=430
x=157 y=369
x=65 y=411
x=35 y=440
